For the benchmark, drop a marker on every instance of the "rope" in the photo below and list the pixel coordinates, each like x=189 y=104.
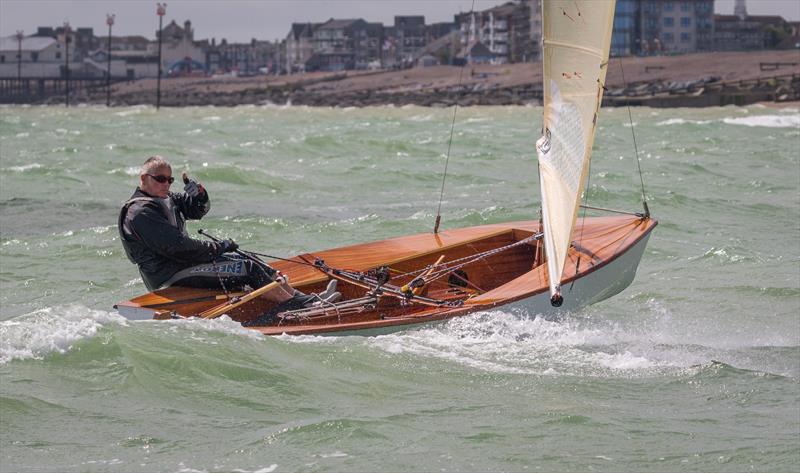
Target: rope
x=304 y=262
x=451 y=266
x=635 y=147
x=449 y=145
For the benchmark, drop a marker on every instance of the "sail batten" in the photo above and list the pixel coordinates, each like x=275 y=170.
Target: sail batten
x=576 y=42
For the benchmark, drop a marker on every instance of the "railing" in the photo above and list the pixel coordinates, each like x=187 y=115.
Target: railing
x=32 y=90
x=772 y=66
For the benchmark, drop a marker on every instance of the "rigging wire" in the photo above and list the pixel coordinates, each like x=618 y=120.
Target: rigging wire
x=449 y=144
x=635 y=147
x=601 y=88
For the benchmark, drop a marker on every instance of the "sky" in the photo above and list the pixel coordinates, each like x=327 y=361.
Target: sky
x=242 y=20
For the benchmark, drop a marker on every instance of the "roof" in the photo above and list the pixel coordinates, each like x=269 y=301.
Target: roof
x=336 y=24
x=476 y=49
x=30 y=43
x=763 y=19
x=300 y=30
x=504 y=9
x=772 y=19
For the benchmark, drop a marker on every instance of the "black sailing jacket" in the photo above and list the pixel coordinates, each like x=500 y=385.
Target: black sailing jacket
x=153 y=234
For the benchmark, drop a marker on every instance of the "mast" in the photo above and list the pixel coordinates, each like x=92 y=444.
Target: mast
x=576 y=38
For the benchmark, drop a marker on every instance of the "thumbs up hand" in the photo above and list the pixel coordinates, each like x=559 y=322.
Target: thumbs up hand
x=192 y=187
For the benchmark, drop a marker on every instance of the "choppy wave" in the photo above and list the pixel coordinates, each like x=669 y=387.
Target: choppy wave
x=511 y=342
x=58 y=329
x=51 y=330
x=769 y=121
x=683 y=121
x=24 y=168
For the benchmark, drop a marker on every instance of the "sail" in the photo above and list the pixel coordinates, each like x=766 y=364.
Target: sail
x=576 y=37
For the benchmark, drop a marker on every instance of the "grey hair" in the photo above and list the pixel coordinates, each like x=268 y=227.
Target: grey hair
x=153 y=164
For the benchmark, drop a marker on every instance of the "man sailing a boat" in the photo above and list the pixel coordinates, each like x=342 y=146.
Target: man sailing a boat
x=152 y=227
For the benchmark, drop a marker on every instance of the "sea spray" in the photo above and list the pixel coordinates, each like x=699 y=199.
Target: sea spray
x=51 y=330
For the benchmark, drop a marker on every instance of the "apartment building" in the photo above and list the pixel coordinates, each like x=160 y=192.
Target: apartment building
x=410 y=36
x=506 y=30
x=668 y=26
x=345 y=44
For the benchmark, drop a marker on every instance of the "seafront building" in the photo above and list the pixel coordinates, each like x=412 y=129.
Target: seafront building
x=507 y=33
x=650 y=27
x=511 y=32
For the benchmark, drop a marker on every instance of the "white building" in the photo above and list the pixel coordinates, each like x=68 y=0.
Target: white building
x=41 y=57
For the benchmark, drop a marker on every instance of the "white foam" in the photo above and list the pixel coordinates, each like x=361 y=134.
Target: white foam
x=26 y=167
x=506 y=342
x=130 y=171
x=136 y=110
x=770 y=121
x=54 y=329
x=223 y=324
x=682 y=121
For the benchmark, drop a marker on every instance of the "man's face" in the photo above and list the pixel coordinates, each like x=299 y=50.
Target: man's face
x=151 y=184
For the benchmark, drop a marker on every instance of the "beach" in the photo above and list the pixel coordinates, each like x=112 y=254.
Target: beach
x=707 y=79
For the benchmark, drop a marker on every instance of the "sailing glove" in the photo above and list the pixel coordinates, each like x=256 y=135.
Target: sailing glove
x=193 y=188
x=228 y=246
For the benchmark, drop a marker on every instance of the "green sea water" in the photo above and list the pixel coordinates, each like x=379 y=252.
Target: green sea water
x=694 y=367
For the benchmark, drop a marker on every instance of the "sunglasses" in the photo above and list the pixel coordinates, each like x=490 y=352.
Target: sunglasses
x=162 y=179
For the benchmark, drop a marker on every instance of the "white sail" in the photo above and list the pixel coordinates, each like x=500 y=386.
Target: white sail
x=576 y=37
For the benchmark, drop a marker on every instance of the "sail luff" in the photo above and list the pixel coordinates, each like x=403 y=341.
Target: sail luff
x=576 y=42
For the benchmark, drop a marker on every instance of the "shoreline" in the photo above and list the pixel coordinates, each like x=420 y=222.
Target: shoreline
x=692 y=80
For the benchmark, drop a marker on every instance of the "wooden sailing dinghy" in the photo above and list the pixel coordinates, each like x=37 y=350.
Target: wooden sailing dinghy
x=556 y=264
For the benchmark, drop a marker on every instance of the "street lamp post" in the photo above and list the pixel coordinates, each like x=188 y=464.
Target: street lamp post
x=66 y=71
x=20 y=36
x=161 y=10
x=110 y=23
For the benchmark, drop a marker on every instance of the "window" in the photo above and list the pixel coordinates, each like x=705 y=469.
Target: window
x=686 y=21
x=58 y=54
x=2 y=58
x=669 y=38
x=668 y=6
x=35 y=56
x=686 y=38
x=623 y=23
x=684 y=6
x=669 y=21
x=626 y=6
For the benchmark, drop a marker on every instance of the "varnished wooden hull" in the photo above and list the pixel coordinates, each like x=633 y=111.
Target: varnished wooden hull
x=602 y=261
